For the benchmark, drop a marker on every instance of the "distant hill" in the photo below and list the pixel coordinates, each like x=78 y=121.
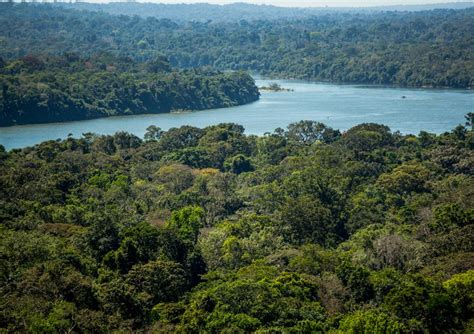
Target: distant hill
x=237 y=11
x=416 y=8
x=199 y=12
x=421 y=49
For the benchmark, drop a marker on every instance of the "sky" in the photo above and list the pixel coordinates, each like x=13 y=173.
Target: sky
x=312 y=3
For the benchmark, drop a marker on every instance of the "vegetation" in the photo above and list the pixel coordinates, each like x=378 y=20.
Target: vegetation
x=66 y=88
x=427 y=48
x=210 y=230
x=190 y=230
x=274 y=87
x=202 y=12
x=238 y=11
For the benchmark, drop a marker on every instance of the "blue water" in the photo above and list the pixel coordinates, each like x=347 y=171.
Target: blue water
x=339 y=106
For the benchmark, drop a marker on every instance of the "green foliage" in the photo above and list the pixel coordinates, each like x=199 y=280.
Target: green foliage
x=368 y=137
x=371 y=321
x=460 y=289
x=421 y=300
x=430 y=48
x=255 y=298
x=309 y=132
x=239 y=164
x=210 y=230
x=153 y=133
x=308 y=220
x=405 y=179
x=449 y=215
x=187 y=223
x=234 y=244
x=356 y=278
x=60 y=319
x=189 y=230
x=110 y=86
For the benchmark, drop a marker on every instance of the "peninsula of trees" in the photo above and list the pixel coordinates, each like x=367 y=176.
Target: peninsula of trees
x=68 y=88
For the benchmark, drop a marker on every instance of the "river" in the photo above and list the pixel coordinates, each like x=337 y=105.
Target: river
x=339 y=106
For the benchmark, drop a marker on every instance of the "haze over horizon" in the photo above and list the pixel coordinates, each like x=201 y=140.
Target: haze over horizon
x=304 y=3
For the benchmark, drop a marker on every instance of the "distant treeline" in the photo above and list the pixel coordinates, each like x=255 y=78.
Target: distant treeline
x=238 y=11
x=428 y=48
x=54 y=89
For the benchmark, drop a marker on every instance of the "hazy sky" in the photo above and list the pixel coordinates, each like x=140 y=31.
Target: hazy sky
x=313 y=3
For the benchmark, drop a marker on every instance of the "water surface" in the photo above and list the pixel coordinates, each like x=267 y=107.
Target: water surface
x=339 y=106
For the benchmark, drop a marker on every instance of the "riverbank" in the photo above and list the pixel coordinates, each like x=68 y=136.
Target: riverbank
x=339 y=106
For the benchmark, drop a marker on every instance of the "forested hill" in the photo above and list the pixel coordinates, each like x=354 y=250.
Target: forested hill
x=239 y=11
x=67 y=88
x=427 y=48
x=304 y=230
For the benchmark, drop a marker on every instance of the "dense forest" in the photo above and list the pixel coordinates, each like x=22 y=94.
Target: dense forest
x=238 y=11
x=209 y=230
x=67 y=88
x=427 y=48
x=306 y=229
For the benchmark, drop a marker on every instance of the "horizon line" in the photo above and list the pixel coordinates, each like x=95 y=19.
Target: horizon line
x=236 y=3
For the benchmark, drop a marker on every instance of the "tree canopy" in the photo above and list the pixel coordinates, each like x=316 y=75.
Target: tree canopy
x=210 y=230
x=420 y=49
x=65 y=88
